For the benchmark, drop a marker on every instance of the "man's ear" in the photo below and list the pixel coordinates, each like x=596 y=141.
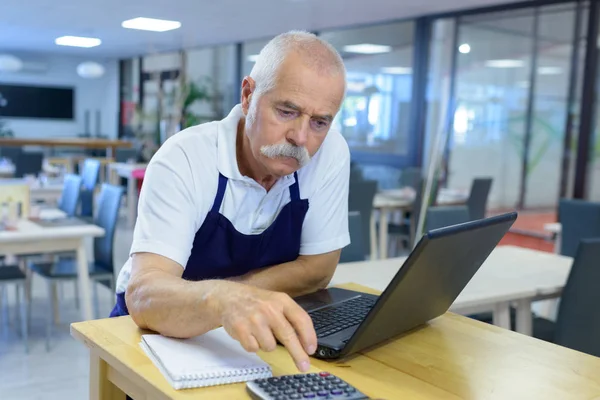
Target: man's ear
x=248 y=87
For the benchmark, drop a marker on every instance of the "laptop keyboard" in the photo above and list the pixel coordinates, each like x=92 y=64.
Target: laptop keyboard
x=333 y=319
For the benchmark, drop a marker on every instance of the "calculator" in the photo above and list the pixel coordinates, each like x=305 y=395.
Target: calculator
x=317 y=386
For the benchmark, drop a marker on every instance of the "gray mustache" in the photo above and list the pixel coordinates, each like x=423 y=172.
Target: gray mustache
x=286 y=150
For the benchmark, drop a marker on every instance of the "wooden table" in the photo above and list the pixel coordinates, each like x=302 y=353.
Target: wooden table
x=452 y=357
x=31 y=238
x=509 y=276
x=86 y=143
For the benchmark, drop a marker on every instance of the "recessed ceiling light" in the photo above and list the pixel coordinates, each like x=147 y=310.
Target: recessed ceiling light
x=464 y=48
x=397 y=70
x=549 y=70
x=367 y=48
x=151 y=24
x=252 y=57
x=504 y=63
x=77 y=41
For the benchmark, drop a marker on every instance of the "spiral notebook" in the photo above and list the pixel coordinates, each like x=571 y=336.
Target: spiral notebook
x=206 y=360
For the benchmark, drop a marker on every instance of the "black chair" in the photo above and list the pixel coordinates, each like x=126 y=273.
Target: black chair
x=12 y=275
x=89 y=176
x=69 y=199
x=102 y=269
x=442 y=216
x=411 y=177
x=355 y=250
x=360 y=198
x=580 y=220
x=578 y=321
x=28 y=164
x=11 y=152
x=406 y=230
x=478 y=197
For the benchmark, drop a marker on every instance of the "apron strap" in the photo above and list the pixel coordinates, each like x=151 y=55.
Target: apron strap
x=295 y=189
x=220 y=193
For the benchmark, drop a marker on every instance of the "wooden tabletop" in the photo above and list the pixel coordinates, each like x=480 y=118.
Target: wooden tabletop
x=452 y=357
x=90 y=143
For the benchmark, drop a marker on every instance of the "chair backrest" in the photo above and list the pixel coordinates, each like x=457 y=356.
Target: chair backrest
x=410 y=177
x=360 y=198
x=69 y=199
x=442 y=216
x=89 y=173
x=580 y=220
x=355 y=250
x=478 y=197
x=578 y=320
x=124 y=155
x=107 y=215
x=11 y=152
x=28 y=164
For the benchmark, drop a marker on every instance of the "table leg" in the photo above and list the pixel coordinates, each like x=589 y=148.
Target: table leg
x=557 y=243
x=83 y=281
x=131 y=201
x=100 y=387
x=383 y=233
x=372 y=227
x=502 y=315
x=524 y=317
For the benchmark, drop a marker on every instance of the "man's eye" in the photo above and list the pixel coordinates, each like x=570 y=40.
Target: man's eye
x=320 y=124
x=286 y=113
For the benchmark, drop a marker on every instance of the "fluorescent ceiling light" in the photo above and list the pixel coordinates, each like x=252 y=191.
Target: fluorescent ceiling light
x=367 y=48
x=151 y=24
x=549 y=70
x=253 y=57
x=397 y=70
x=464 y=48
x=505 y=63
x=77 y=41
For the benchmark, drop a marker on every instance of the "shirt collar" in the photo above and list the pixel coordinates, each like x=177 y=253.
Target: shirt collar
x=226 y=147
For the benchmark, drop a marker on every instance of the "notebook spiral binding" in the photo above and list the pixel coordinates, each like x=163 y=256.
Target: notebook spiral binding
x=222 y=377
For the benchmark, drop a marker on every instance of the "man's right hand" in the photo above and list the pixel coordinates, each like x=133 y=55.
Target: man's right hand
x=257 y=317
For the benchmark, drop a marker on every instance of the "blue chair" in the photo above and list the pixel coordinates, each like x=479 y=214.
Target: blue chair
x=580 y=220
x=578 y=321
x=12 y=275
x=102 y=269
x=360 y=198
x=478 y=197
x=69 y=199
x=355 y=250
x=89 y=176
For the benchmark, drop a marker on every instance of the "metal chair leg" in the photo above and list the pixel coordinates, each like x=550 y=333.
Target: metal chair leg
x=24 y=322
x=76 y=286
x=96 y=303
x=50 y=315
x=18 y=304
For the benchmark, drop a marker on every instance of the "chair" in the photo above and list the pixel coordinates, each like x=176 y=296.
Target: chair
x=406 y=231
x=28 y=164
x=355 y=250
x=89 y=176
x=102 y=269
x=12 y=275
x=360 y=198
x=69 y=199
x=578 y=321
x=478 y=197
x=580 y=220
x=442 y=216
x=411 y=177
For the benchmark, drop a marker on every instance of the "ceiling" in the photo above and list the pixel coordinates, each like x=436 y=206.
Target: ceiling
x=30 y=26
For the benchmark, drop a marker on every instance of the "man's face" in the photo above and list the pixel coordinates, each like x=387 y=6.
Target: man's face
x=288 y=124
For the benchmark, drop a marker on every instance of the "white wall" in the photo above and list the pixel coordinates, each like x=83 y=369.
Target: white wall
x=90 y=94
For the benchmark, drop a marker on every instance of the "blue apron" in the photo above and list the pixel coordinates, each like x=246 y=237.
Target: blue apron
x=220 y=251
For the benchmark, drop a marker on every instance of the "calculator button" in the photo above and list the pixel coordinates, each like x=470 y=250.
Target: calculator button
x=281 y=398
x=336 y=391
x=330 y=377
x=342 y=385
x=290 y=391
x=324 y=374
x=309 y=395
x=323 y=393
x=302 y=390
x=329 y=387
x=295 y=396
x=350 y=390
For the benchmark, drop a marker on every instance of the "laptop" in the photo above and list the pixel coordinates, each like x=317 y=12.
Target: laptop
x=432 y=277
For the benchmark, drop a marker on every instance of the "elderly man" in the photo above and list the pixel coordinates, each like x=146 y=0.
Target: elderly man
x=238 y=216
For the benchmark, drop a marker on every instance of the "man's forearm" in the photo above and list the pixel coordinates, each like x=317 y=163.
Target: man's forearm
x=294 y=278
x=172 y=306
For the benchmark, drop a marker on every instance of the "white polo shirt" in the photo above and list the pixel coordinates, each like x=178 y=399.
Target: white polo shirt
x=181 y=183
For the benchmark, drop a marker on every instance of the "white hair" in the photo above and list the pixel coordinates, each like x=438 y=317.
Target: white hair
x=316 y=53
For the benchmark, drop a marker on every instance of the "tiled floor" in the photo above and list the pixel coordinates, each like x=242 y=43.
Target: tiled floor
x=63 y=372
